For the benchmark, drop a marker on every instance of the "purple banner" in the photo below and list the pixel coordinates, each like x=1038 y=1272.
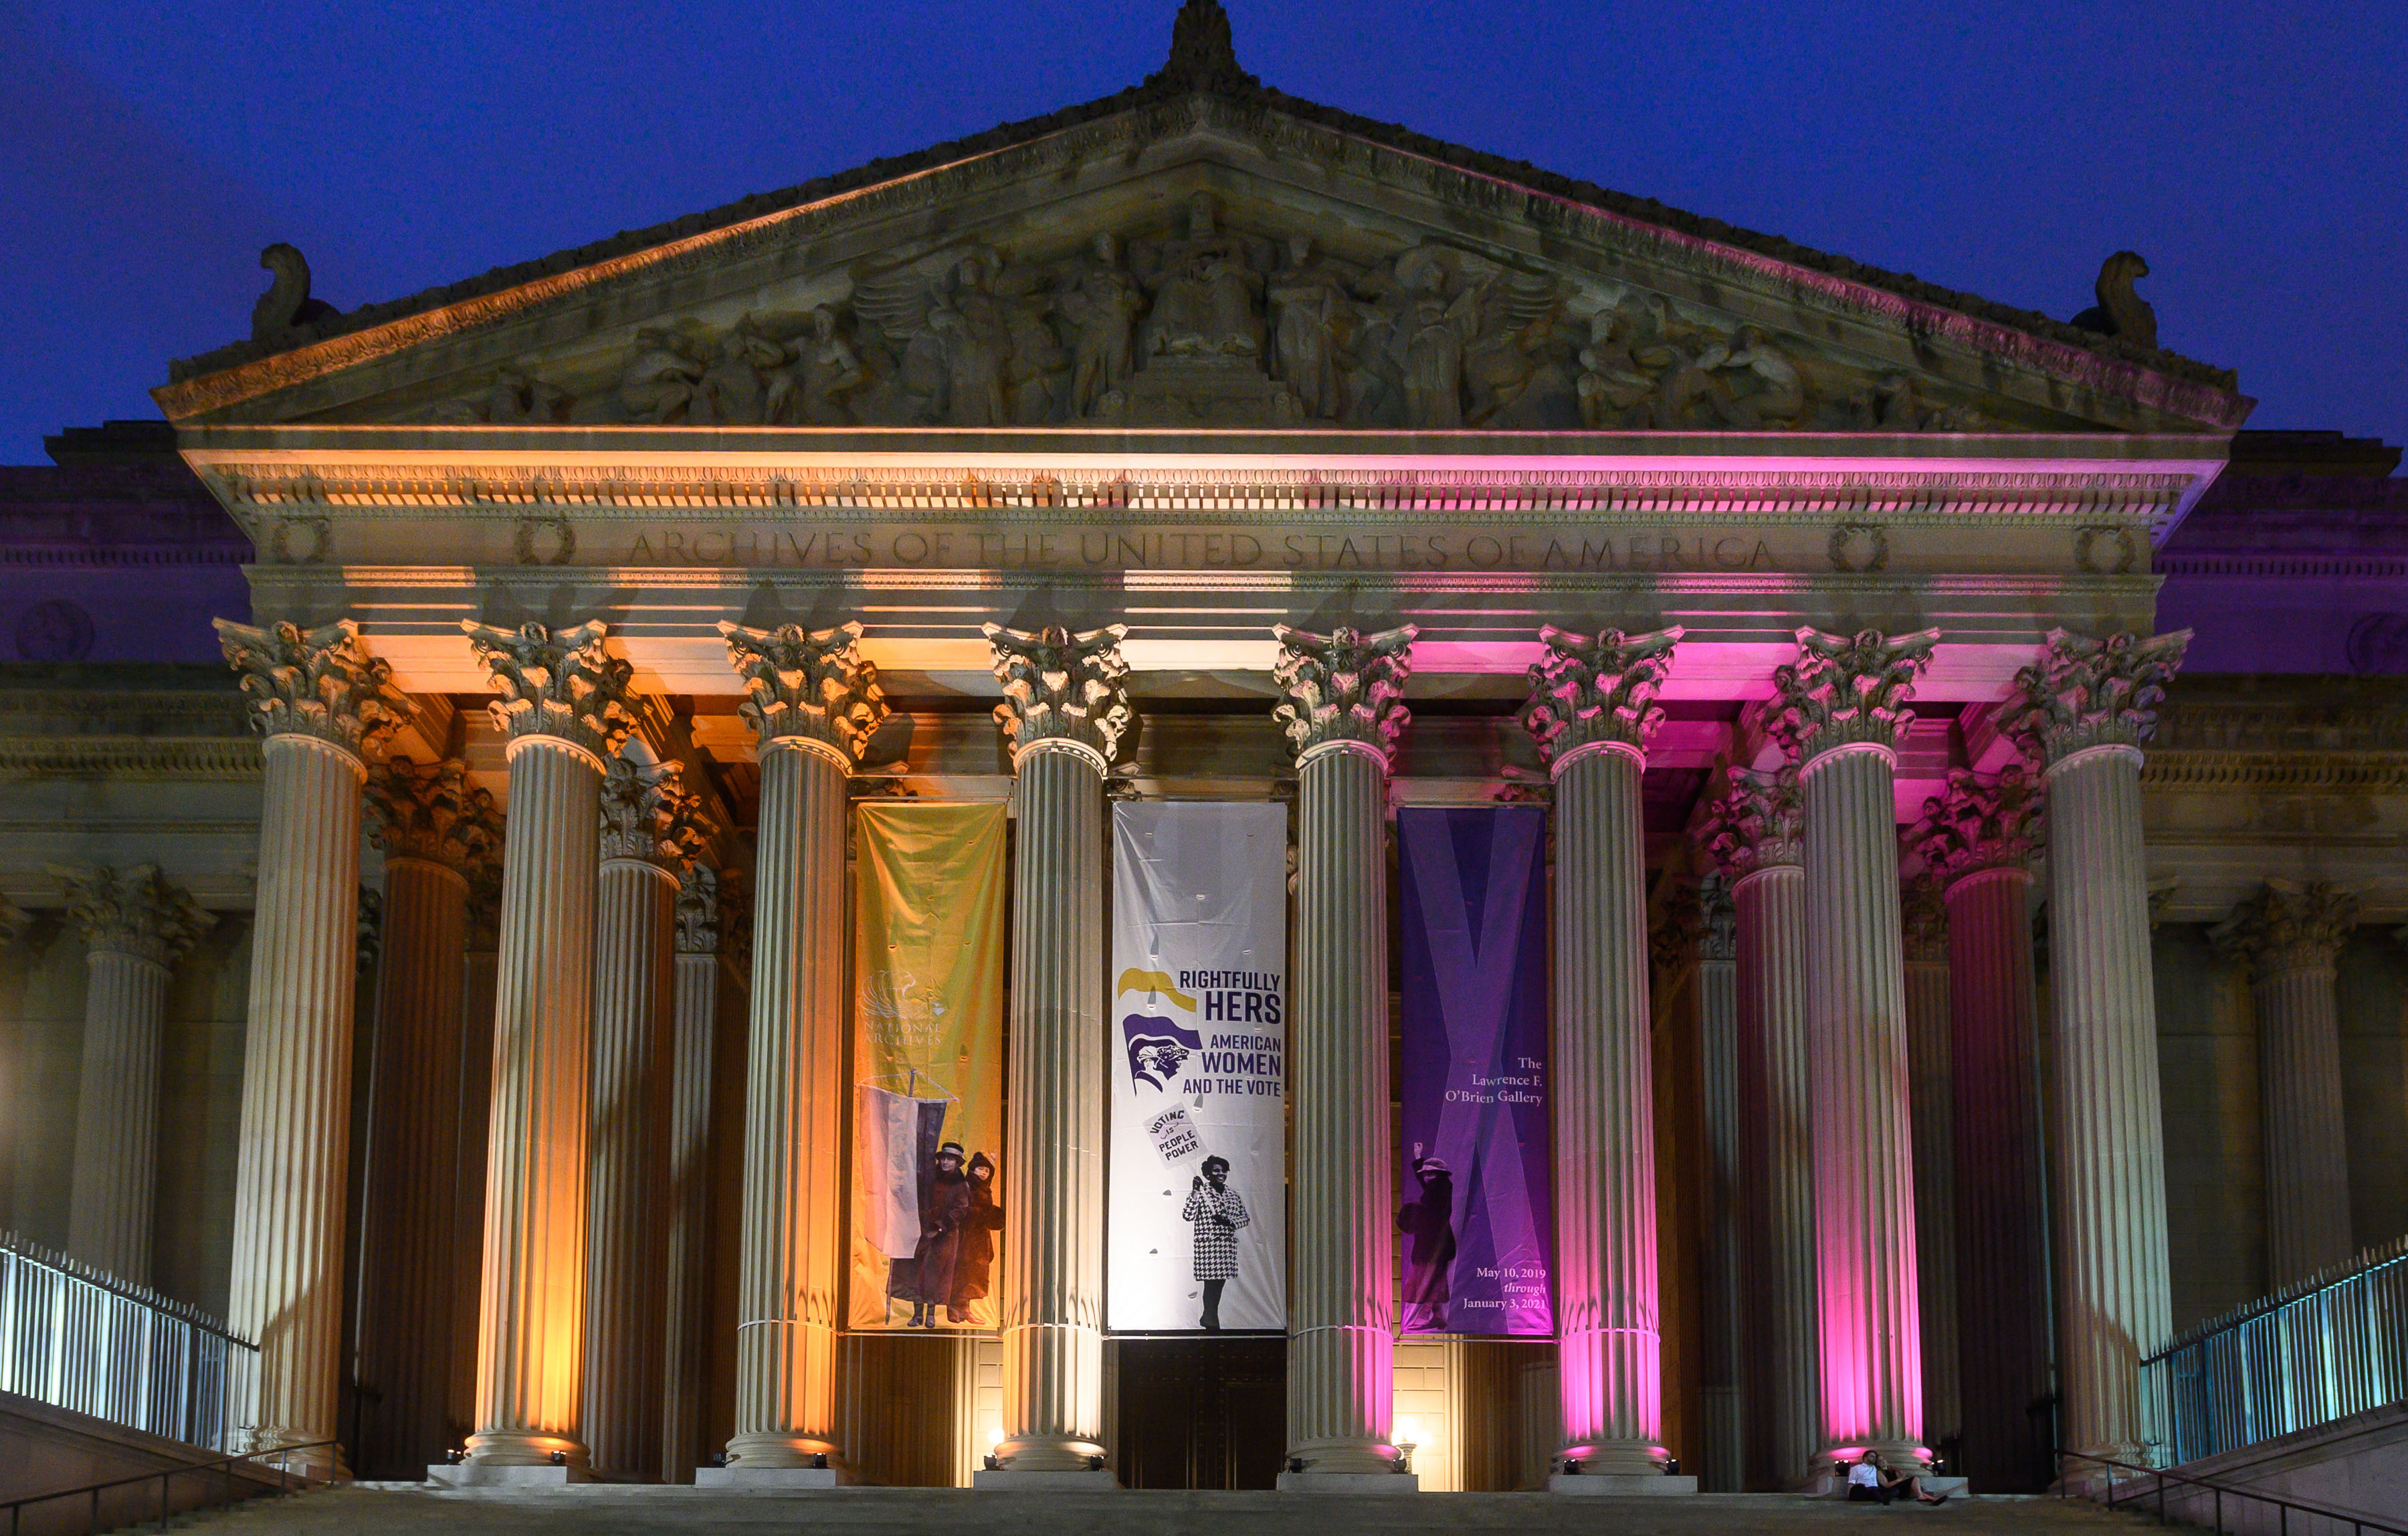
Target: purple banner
x=1475 y=1216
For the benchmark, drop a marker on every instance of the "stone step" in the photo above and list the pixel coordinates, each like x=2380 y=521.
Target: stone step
x=618 y=1510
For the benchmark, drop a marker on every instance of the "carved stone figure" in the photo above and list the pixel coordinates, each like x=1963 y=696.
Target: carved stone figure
x=1101 y=302
x=2121 y=312
x=286 y=310
x=734 y=390
x=1207 y=296
x=1614 y=378
x=660 y=379
x=1778 y=395
x=826 y=371
x=515 y=396
x=1307 y=298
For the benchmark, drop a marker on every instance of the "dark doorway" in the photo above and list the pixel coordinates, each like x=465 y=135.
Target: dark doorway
x=1202 y=1412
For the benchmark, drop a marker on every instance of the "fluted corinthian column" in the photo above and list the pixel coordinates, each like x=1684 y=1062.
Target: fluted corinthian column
x=1592 y=708
x=135 y=927
x=812 y=703
x=652 y=828
x=1928 y=1068
x=2083 y=711
x=1343 y=711
x=563 y=709
x=472 y=1122
x=1973 y=841
x=1063 y=711
x=2290 y=939
x=1724 y=1467
x=686 y=1297
x=1754 y=829
x=1842 y=705
x=325 y=709
x=433 y=829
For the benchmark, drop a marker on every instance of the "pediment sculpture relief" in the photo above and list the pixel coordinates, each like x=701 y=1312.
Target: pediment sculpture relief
x=1202 y=324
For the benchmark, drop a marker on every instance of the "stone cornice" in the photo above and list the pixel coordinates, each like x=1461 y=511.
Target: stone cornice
x=1343 y=687
x=1062 y=685
x=1265 y=131
x=1597 y=690
x=2360 y=771
x=235 y=761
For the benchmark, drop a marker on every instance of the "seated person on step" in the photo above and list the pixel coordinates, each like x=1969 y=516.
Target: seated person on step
x=1870 y=1483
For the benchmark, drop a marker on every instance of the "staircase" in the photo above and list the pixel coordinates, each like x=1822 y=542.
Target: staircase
x=604 y=1510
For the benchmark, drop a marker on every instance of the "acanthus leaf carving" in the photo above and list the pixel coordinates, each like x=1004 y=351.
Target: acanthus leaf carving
x=2090 y=693
x=1062 y=685
x=1847 y=689
x=1343 y=686
x=1592 y=690
x=555 y=683
x=318 y=683
x=649 y=816
x=2286 y=928
x=808 y=684
x=1757 y=821
x=697 y=911
x=430 y=812
x=135 y=911
x=1979 y=823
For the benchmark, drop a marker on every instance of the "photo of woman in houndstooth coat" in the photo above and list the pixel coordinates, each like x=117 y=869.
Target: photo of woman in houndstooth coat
x=1216 y=1212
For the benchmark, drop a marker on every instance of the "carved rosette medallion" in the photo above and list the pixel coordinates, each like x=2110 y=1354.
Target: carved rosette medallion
x=321 y=684
x=135 y=911
x=561 y=684
x=1923 y=921
x=1597 y=692
x=2085 y=692
x=1345 y=691
x=1979 y=823
x=1062 y=690
x=1847 y=690
x=807 y=688
x=1719 y=918
x=429 y=811
x=697 y=911
x=1757 y=821
x=649 y=816
x=2286 y=927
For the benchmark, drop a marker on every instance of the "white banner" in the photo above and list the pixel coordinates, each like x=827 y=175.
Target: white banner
x=1199 y=1228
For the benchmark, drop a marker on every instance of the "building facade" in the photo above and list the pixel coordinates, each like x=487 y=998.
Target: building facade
x=1973 y=774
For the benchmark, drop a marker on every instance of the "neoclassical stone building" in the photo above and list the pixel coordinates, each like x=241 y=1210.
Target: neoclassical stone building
x=1976 y=771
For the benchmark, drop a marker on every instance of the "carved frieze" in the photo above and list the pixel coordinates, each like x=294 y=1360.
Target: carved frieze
x=2287 y=928
x=1845 y=689
x=648 y=814
x=1589 y=690
x=806 y=683
x=319 y=683
x=557 y=683
x=1061 y=685
x=134 y=912
x=1343 y=686
x=1755 y=821
x=430 y=812
x=1979 y=823
x=2089 y=693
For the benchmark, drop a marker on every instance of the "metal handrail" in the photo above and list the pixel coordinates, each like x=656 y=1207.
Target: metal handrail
x=2360 y=1524
x=16 y=1507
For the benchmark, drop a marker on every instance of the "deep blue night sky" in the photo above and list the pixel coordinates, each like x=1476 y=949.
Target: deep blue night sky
x=2255 y=153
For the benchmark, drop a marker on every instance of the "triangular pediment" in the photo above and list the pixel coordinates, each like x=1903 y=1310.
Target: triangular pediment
x=1220 y=256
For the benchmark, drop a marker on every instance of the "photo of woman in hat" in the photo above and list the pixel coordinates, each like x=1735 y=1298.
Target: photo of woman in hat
x=1215 y=1212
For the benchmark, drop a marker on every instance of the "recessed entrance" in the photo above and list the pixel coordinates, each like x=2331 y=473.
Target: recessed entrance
x=1202 y=1412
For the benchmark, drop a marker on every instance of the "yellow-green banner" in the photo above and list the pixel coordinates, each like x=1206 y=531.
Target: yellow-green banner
x=927 y=1066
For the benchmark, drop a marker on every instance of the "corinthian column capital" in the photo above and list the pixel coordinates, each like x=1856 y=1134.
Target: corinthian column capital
x=1847 y=690
x=1979 y=823
x=321 y=684
x=807 y=686
x=1061 y=686
x=1597 y=692
x=1345 y=686
x=2286 y=927
x=2083 y=692
x=134 y=912
x=1757 y=821
x=1718 y=916
x=649 y=816
x=429 y=811
x=558 y=684
x=697 y=911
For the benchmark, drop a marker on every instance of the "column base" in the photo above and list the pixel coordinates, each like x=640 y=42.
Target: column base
x=768 y=1477
x=1350 y=1483
x=494 y=1474
x=1621 y=1484
x=1006 y=1480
